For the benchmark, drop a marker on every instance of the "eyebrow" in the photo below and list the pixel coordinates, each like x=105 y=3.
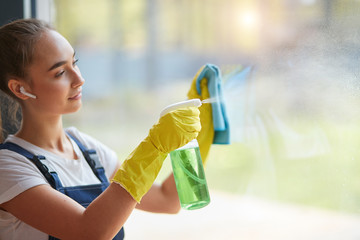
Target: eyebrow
x=58 y=64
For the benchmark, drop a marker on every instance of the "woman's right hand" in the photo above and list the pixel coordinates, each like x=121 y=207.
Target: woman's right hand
x=140 y=169
x=175 y=129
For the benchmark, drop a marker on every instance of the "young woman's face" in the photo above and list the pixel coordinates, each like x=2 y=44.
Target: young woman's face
x=55 y=78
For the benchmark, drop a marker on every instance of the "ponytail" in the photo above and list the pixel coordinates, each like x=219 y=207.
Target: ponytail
x=10 y=116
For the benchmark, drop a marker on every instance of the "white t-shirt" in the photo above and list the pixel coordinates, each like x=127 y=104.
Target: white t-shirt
x=18 y=174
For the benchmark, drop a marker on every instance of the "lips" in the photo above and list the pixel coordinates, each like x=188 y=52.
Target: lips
x=76 y=96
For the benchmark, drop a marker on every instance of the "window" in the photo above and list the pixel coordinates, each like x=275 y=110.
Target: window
x=293 y=166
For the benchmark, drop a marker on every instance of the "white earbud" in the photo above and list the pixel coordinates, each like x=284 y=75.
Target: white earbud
x=22 y=90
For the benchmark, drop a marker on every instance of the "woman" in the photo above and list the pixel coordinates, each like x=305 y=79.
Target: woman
x=38 y=70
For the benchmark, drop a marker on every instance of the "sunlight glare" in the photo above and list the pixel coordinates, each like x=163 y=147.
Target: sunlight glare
x=248 y=19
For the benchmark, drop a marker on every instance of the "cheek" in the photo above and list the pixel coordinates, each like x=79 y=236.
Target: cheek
x=50 y=93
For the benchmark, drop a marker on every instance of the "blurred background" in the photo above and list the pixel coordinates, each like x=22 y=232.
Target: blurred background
x=292 y=168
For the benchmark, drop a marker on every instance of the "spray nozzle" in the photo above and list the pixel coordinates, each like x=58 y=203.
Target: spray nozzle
x=188 y=103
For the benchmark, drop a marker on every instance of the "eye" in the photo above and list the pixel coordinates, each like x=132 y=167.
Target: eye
x=75 y=62
x=59 y=74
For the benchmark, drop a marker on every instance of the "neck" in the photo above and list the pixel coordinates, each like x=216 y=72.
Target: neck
x=44 y=131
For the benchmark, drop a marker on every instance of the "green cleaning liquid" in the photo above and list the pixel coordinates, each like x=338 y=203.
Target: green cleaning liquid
x=190 y=176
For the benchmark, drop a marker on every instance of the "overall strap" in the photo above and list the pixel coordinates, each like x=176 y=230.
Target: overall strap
x=92 y=159
x=78 y=193
x=52 y=177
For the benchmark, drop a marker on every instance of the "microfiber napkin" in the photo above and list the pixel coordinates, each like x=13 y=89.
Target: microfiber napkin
x=221 y=123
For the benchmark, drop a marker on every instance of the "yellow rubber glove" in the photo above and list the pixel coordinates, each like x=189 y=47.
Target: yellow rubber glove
x=140 y=169
x=206 y=135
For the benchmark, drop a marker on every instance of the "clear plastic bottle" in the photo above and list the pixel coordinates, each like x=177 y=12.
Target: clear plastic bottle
x=190 y=176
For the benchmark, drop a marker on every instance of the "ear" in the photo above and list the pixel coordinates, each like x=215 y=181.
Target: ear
x=14 y=86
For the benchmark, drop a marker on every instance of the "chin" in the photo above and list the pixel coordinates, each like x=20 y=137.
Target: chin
x=74 y=109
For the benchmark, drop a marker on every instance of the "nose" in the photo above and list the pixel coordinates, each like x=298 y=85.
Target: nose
x=77 y=79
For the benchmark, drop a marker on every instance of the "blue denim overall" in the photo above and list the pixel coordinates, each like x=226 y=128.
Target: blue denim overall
x=84 y=194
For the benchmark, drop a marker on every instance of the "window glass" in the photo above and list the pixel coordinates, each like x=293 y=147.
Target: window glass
x=290 y=72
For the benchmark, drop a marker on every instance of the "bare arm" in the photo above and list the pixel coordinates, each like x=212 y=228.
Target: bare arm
x=58 y=215
x=160 y=198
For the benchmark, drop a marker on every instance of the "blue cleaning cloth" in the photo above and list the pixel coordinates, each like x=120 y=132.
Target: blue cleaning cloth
x=220 y=119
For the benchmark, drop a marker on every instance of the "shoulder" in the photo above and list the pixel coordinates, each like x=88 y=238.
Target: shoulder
x=17 y=174
x=10 y=158
x=85 y=139
x=107 y=156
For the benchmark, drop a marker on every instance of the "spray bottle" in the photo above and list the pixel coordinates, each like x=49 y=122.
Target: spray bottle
x=188 y=168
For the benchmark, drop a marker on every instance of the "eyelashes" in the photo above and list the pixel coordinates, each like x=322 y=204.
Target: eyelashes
x=74 y=64
x=60 y=74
